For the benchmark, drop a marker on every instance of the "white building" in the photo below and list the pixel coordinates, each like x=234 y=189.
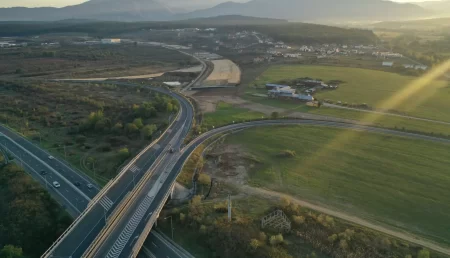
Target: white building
x=110 y=41
x=388 y=64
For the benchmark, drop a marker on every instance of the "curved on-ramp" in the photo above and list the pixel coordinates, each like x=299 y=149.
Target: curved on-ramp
x=188 y=150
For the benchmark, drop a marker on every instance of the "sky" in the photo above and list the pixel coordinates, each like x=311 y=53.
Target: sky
x=61 y=3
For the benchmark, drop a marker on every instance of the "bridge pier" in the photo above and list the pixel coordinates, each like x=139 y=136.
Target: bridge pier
x=171 y=192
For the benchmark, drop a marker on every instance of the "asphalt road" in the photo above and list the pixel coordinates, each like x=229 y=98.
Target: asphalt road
x=119 y=241
x=35 y=161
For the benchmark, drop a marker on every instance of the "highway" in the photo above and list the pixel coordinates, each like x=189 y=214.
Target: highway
x=35 y=161
x=127 y=226
x=75 y=199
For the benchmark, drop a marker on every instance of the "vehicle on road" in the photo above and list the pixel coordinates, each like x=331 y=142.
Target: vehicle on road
x=90 y=186
x=77 y=184
x=43 y=172
x=56 y=184
x=51 y=157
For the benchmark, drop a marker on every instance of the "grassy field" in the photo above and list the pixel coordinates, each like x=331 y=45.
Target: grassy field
x=226 y=114
x=385 y=121
x=392 y=180
x=69 y=61
x=371 y=87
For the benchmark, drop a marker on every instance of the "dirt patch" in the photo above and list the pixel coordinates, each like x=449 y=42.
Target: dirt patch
x=229 y=163
x=225 y=73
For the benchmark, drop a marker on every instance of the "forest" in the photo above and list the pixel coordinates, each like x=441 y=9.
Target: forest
x=301 y=33
x=31 y=219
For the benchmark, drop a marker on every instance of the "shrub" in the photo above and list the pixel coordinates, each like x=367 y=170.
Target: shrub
x=276 y=240
x=299 y=220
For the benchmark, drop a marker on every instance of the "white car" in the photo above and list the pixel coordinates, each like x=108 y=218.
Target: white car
x=50 y=157
x=90 y=186
x=56 y=184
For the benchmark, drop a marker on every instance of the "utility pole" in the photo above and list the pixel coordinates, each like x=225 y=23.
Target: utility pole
x=171 y=224
x=229 y=207
x=93 y=167
x=65 y=153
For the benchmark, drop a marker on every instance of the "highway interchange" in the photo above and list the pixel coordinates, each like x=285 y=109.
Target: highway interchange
x=36 y=160
x=114 y=219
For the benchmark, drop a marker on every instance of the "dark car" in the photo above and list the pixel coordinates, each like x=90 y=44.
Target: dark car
x=77 y=184
x=43 y=172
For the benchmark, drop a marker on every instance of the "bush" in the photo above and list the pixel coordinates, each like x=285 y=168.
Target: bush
x=105 y=147
x=276 y=240
x=423 y=254
x=124 y=153
x=254 y=244
x=204 y=179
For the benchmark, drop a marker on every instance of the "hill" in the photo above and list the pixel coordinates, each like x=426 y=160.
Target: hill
x=227 y=20
x=297 y=33
x=440 y=7
x=318 y=10
x=426 y=24
x=156 y=10
x=114 y=10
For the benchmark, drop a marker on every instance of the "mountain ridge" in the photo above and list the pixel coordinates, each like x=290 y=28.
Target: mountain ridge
x=154 y=10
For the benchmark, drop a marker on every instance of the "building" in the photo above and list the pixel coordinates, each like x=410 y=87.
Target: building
x=172 y=84
x=388 y=64
x=408 y=66
x=281 y=91
x=110 y=41
x=421 y=67
x=270 y=86
x=293 y=55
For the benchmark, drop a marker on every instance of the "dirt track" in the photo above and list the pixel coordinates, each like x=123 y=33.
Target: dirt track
x=405 y=236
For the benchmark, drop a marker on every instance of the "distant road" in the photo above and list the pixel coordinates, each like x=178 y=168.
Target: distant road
x=387 y=114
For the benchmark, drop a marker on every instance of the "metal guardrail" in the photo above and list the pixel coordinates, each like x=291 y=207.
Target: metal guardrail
x=93 y=248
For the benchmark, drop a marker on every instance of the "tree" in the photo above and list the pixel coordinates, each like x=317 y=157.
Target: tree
x=423 y=254
x=138 y=123
x=203 y=229
x=117 y=128
x=276 y=239
x=147 y=131
x=275 y=115
x=131 y=129
x=408 y=256
x=182 y=217
x=10 y=251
